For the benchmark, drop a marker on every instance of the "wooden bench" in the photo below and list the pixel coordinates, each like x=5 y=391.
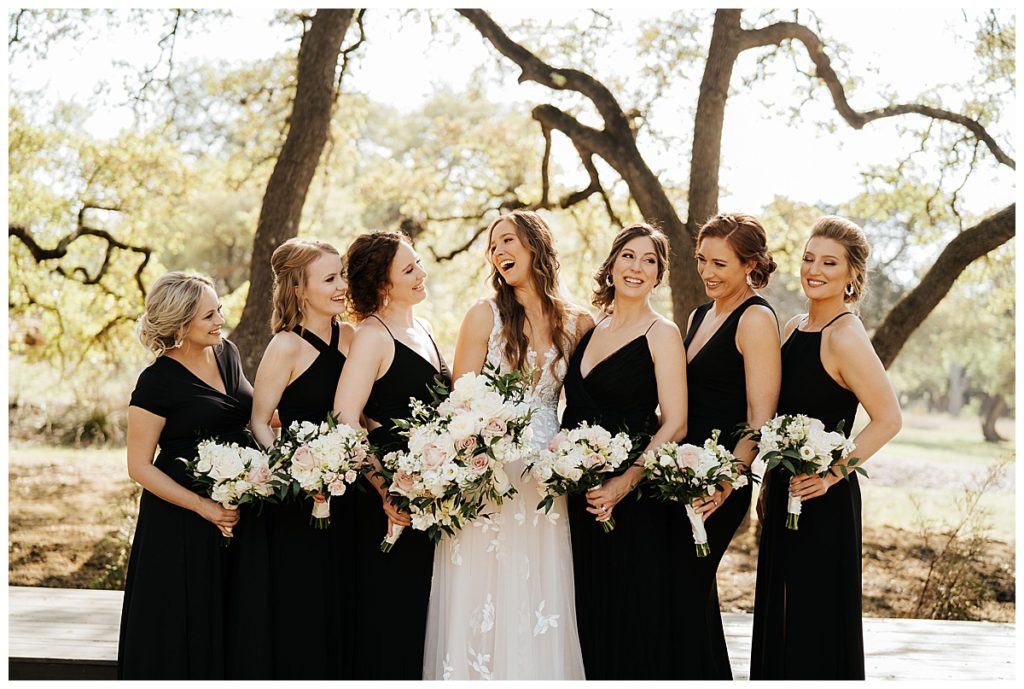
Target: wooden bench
x=72 y=634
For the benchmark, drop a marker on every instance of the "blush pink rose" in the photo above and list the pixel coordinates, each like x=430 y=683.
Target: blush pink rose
x=592 y=460
x=557 y=441
x=351 y=475
x=403 y=481
x=495 y=428
x=359 y=454
x=433 y=456
x=259 y=475
x=336 y=487
x=688 y=458
x=466 y=444
x=304 y=459
x=480 y=463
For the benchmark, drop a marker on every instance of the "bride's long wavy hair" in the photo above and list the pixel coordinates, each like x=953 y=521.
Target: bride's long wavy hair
x=536 y=236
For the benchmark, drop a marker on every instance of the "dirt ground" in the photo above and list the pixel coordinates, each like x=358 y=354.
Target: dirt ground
x=69 y=525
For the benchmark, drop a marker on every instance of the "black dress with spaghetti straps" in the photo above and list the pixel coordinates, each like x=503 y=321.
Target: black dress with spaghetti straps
x=312 y=571
x=393 y=589
x=809 y=581
x=172 y=618
x=627 y=610
x=717 y=399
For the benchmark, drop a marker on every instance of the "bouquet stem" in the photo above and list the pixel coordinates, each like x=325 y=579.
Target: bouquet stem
x=700 y=534
x=389 y=541
x=608 y=525
x=321 y=518
x=226 y=540
x=793 y=512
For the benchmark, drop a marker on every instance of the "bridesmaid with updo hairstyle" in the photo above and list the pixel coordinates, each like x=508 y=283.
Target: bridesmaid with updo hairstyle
x=311 y=570
x=807 y=606
x=733 y=371
x=172 y=620
x=393 y=358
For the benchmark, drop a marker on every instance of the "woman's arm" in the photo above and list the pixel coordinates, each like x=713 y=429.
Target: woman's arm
x=849 y=350
x=757 y=338
x=144 y=429
x=471 y=345
x=272 y=377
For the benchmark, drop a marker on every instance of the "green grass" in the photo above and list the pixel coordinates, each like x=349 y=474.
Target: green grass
x=891 y=506
x=947 y=445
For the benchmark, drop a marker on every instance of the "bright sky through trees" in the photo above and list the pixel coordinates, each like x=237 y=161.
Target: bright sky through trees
x=764 y=154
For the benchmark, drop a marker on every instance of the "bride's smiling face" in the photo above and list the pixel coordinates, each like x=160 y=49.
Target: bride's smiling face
x=510 y=257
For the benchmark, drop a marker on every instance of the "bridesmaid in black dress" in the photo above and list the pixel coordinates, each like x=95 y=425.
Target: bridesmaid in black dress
x=393 y=358
x=632 y=361
x=809 y=581
x=311 y=571
x=172 y=622
x=733 y=372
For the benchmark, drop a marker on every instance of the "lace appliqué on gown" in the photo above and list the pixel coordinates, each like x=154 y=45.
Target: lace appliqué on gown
x=502 y=602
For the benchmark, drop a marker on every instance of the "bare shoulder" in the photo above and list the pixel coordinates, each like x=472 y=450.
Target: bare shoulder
x=479 y=319
x=348 y=332
x=847 y=338
x=791 y=324
x=757 y=318
x=584 y=320
x=370 y=333
x=664 y=329
x=284 y=344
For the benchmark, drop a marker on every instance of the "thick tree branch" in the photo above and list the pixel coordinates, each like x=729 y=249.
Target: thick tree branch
x=913 y=308
x=535 y=69
x=40 y=254
x=782 y=31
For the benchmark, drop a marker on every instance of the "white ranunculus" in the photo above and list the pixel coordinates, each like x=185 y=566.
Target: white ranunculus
x=807 y=453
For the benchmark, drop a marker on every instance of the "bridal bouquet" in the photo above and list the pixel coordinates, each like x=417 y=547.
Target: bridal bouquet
x=457 y=452
x=232 y=474
x=685 y=473
x=321 y=460
x=578 y=460
x=802 y=446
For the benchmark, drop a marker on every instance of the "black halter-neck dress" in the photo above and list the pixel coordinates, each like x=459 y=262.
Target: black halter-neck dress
x=807 y=606
x=627 y=610
x=393 y=589
x=312 y=570
x=717 y=399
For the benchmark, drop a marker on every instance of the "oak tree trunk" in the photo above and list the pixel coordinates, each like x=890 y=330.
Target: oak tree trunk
x=315 y=94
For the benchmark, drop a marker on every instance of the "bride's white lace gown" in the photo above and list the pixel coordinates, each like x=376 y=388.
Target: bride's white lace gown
x=501 y=602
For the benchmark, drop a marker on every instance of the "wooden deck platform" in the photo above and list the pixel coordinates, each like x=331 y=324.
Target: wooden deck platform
x=72 y=634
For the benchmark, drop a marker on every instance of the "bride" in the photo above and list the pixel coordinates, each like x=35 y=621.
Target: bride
x=501 y=601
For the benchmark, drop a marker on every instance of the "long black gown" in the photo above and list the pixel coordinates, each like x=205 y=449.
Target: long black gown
x=172 y=620
x=312 y=570
x=393 y=588
x=807 y=606
x=717 y=399
x=627 y=612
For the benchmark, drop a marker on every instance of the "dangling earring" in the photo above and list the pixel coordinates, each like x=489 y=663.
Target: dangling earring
x=387 y=300
x=501 y=280
x=178 y=342
x=849 y=289
x=750 y=282
x=608 y=280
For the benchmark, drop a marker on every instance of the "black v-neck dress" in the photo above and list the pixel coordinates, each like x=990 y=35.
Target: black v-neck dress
x=172 y=620
x=627 y=608
x=807 y=606
x=312 y=571
x=393 y=589
x=717 y=399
